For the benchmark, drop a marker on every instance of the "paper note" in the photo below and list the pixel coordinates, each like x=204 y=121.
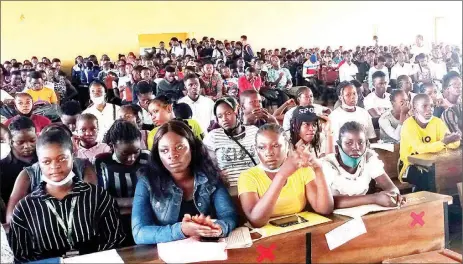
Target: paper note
x=239 y=238
x=386 y=146
x=344 y=233
x=361 y=210
x=192 y=250
x=108 y=256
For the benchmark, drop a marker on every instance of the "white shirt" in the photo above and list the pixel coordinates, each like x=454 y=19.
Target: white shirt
x=438 y=70
x=347 y=72
x=289 y=115
x=7 y=255
x=372 y=71
x=105 y=118
x=339 y=117
x=217 y=55
x=146 y=117
x=398 y=70
x=373 y=101
x=342 y=182
x=190 y=51
x=177 y=50
x=5 y=96
x=203 y=110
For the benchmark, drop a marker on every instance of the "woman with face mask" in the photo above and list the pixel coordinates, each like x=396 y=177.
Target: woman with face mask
x=423 y=133
x=63 y=216
x=351 y=169
x=106 y=113
x=282 y=184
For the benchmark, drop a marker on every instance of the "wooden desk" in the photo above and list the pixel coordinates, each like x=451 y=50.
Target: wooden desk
x=390 y=160
x=389 y=235
x=438 y=256
x=448 y=166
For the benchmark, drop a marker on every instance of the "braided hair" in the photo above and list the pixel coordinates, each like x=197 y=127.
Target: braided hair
x=121 y=131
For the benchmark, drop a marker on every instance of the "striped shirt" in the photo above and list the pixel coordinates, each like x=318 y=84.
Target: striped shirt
x=452 y=118
x=36 y=234
x=118 y=179
x=230 y=157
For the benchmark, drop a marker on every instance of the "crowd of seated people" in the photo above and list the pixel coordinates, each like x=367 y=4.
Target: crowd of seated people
x=156 y=148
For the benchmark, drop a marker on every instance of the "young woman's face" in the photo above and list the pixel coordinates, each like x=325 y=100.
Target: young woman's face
x=350 y=96
x=399 y=100
x=226 y=72
x=127 y=115
x=159 y=114
x=97 y=90
x=431 y=91
x=23 y=142
x=55 y=161
x=354 y=144
x=23 y=104
x=226 y=117
x=307 y=131
x=272 y=149
x=174 y=152
x=306 y=98
x=454 y=87
x=127 y=152
x=87 y=130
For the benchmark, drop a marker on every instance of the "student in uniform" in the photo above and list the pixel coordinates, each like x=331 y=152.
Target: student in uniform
x=30 y=177
x=423 y=133
x=64 y=215
x=313 y=129
x=180 y=192
x=161 y=110
x=352 y=167
x=282 y=184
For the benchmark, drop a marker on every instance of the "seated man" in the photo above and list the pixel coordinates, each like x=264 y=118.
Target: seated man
x=40 y=95
x=252 y=111
x=348 y=71
x=232 y=144
x=23 y=106
x=352 y=167
x=423 y=133
x=390 y=123
x=170 y=86
x=70 y=111
x=378 y=102
x=404 y=82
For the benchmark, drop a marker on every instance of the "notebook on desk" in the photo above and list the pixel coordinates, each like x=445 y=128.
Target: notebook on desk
x=362 y=210
x=192 y=250
x=108 y=256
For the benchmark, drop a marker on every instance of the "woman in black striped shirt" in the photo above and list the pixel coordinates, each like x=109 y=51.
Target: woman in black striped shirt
x=64 y=215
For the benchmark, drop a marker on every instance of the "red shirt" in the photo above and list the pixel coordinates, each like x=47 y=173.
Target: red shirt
x=39 y=121
x=244 y=84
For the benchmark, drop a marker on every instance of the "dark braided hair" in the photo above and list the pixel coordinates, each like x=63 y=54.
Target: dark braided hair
x=121 y=131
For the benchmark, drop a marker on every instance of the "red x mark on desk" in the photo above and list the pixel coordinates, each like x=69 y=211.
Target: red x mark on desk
x=417 y=219
x=265 y=253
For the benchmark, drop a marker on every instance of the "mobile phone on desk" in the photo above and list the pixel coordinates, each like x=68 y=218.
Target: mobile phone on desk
x=288 y=221
x=209 y=239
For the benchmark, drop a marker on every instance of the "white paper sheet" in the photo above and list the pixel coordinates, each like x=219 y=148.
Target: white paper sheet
x=385 y=146
x=361 y=210
x=192 y=250
x=239 y=238
x=108 y=256
x=344 y=233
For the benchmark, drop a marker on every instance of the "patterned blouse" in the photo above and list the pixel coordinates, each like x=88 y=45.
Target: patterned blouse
x=212 y=85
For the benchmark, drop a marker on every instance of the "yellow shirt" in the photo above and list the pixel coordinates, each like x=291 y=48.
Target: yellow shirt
x=417 y=140
x=45 y=94
x=292 y=197
x=194 y=125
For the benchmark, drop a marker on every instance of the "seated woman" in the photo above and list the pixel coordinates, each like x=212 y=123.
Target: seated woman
x=352 y=168
x=180 y=184
x=30 y=177
x=282 y=184
x=314 y=130
x=42 y=222
x=161 y=111
x=23 y=105
x=133 y=113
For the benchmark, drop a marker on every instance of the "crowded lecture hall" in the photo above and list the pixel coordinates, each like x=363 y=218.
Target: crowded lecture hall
x=327 y=143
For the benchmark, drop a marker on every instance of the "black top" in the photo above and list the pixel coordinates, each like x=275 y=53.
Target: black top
x=35 y=232
x=187 y=207
x=10 y=167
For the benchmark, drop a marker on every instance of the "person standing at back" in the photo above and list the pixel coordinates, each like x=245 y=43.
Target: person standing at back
x=248 y=54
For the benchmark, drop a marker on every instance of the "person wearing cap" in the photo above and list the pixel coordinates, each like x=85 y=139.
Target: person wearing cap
x=312 y=130
x=201 y=106
x=350 y=169
x=232 y=144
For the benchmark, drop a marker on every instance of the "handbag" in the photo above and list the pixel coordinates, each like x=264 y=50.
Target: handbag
x=270 y=94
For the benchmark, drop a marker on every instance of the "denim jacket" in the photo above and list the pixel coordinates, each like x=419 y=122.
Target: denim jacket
x=155 y=219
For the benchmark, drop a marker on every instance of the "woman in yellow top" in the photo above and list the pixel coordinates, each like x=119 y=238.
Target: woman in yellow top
x=423 y=133
x=282 y=184
x=161 y=111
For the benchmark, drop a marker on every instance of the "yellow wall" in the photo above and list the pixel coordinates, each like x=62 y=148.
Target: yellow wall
x=67 y=29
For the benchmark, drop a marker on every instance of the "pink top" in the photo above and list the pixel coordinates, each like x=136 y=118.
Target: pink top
x=90 y=153
x=244 y=84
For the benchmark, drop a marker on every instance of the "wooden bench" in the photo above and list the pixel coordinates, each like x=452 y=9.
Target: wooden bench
x=438 y=256
x=448 y=168
x=389 y=235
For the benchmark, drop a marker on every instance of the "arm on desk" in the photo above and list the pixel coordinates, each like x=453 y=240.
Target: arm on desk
x=144 y=228
x=227 y=217
x=413 y=139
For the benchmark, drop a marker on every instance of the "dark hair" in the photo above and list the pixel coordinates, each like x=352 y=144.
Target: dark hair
x=273 y=128
x=87 y=117
x=246 y=94
x=419 y=97
x=21 y=122
x=4 y=127
x=301 y=90
x=395 y=93
x=170 y=69
x=341 y=86
x=162 y=100
x=295 y=129
x=143 y=87
x=448 y=77
x=16 y=65
x=251 y=69
x=121 y=131
x=381 y=59
x=159 y=176
x=135 y=109
x=400 y=80
x=425 y=85
x=420 y=56
x=15 y=73
x=182 y=111
x=71 y=108
x=55 y=60
x=351 y=126
x=378 y=74
x=244 y=37
x=190 y=76
x=35 y=75
x=55 y=135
